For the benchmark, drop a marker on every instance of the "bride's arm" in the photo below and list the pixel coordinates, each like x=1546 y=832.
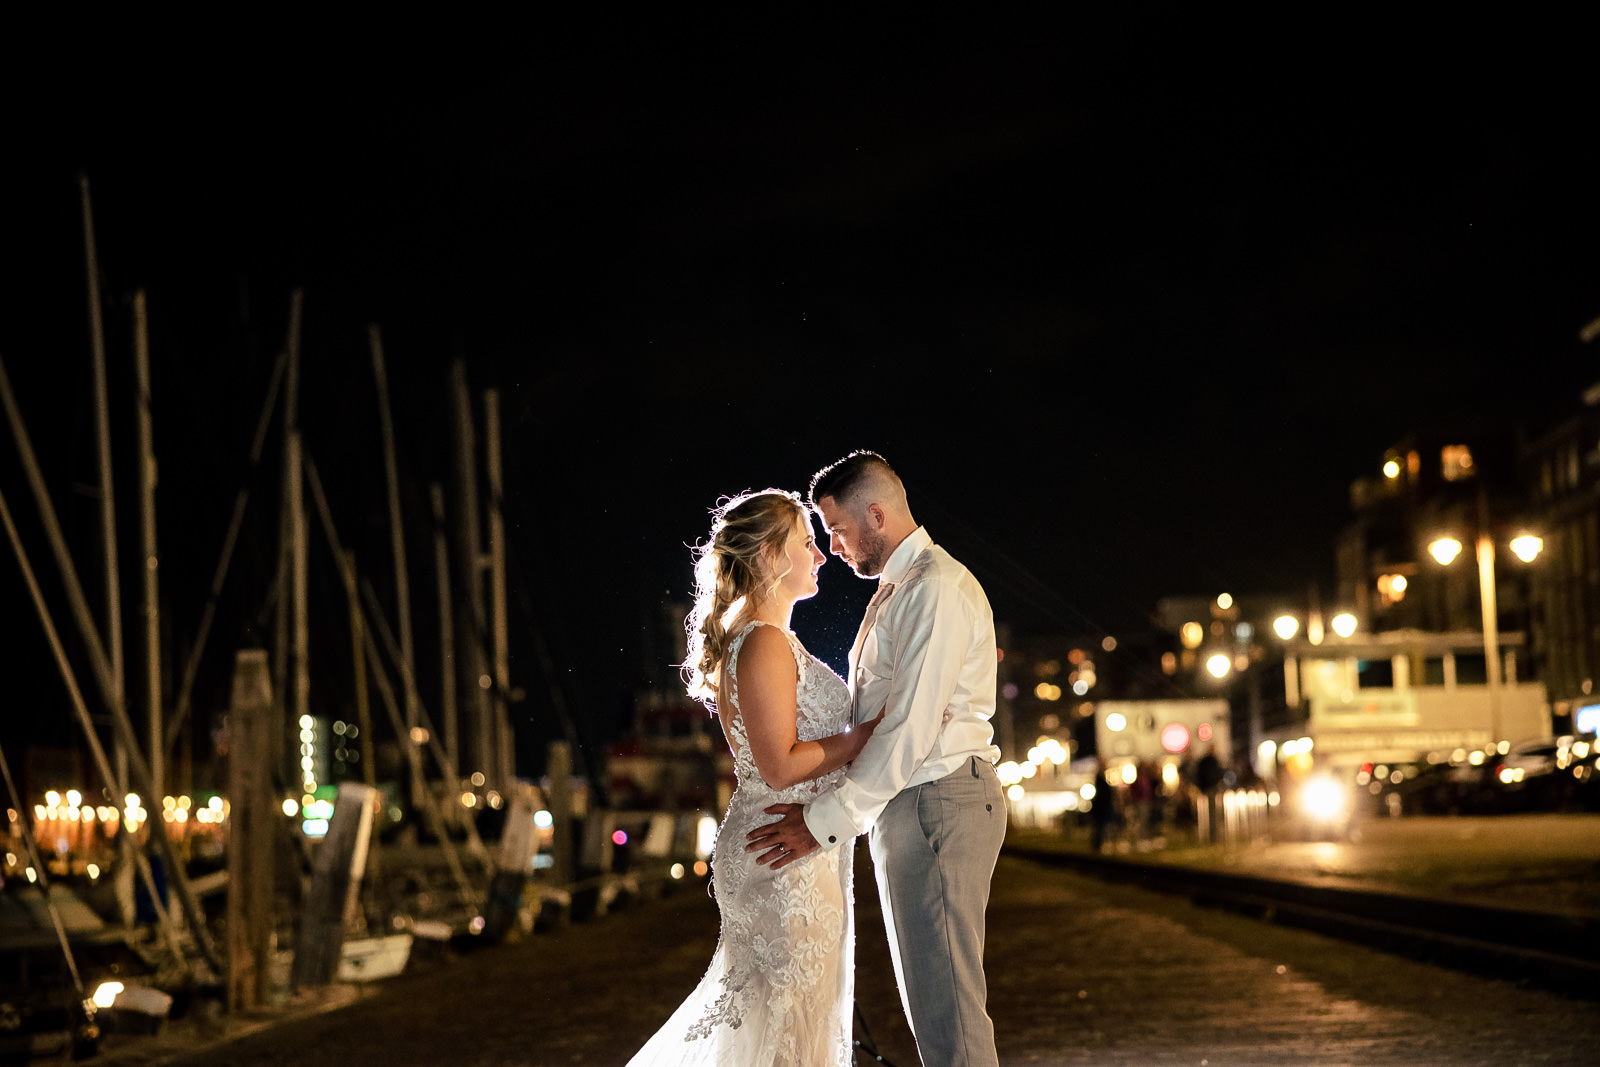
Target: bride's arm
x=768 y=677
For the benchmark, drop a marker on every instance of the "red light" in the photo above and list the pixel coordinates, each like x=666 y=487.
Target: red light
x=620 y=837
x=999 y=655
x=1175 y=737
x=1203 y=732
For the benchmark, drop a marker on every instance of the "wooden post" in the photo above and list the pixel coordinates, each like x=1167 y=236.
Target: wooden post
x=519 y=843
x=336 y=873
x=506 y=746
x=253 y=822
x=147 y=544
x=558 y=766
x=447 y=641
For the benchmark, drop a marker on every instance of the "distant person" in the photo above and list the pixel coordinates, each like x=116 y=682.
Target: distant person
x=1140 y=791
x=1208 y=773
x=925 y=785
x=1102 y=806
x=781 y=986
x=1208 y=777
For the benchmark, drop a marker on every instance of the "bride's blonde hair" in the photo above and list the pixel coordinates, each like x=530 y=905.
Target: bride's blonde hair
x=733 y=573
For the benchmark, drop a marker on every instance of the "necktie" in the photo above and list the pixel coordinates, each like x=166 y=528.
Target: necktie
x=867 y=620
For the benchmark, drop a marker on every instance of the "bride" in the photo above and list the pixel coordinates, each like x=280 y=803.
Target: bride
x=781 y=985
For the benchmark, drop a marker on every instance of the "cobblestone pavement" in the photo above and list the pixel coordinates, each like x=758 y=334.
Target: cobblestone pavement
x=1081 y=972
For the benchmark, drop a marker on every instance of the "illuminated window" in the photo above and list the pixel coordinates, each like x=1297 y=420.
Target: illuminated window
x=1456 y=463
x=1391 y=588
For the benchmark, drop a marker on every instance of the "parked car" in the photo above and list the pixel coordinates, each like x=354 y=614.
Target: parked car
x=1426 y=787
x=1549 y=774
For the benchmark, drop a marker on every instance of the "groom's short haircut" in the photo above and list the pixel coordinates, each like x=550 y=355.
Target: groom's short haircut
x=861 y=474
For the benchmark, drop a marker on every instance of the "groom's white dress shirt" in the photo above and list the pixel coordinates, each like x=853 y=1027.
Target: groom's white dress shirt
x=929 y=657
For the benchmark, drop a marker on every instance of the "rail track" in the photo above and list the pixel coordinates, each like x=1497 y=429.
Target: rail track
x=1550 y=950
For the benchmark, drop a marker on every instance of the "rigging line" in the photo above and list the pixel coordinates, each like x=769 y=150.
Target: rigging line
x=425 y=800
x=478 y=631
x=230 y=540
x=1145 y=671
x=946 y=514
x=580 y=743
x=135 y=765
x=34 y=856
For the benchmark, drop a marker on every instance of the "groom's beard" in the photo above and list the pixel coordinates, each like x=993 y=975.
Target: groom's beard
x=871 y=555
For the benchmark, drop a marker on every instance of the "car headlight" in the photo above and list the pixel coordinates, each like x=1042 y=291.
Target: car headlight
x=1324 y=799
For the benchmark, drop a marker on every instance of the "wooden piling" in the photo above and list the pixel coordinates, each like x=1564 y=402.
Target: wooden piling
x=336 y=872
x=254 y=819
x=559 y=768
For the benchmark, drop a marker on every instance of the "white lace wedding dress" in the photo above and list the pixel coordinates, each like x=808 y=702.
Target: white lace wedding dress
x=781 y=986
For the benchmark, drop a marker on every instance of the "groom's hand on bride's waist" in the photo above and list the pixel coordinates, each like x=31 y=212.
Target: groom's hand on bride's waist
x=781 y=843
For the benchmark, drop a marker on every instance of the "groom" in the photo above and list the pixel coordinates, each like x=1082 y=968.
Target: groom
x=925 y=785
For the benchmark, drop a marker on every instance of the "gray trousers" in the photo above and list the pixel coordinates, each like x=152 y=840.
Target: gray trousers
x=934 y=849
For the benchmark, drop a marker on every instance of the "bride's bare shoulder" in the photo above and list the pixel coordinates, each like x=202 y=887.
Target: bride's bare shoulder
x=766 y=637
x=765 y=644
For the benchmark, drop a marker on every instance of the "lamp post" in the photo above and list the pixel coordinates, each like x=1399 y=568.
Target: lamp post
x=1526 y=547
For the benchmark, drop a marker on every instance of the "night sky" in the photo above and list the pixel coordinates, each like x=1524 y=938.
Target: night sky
x=1128 y=307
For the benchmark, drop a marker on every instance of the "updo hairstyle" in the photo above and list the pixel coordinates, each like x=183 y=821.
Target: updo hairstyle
x=734 y=572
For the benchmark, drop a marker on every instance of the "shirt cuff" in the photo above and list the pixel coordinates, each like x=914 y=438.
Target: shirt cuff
x=829 y=824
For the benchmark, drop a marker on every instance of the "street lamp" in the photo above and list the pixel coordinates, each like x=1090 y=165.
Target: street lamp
x=1526 y=547
x=1445 y=550
x=1344 y=624
x=1286 y=626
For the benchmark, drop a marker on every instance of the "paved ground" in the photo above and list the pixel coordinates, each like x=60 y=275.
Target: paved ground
x=1548 y=862
x=1081 y=972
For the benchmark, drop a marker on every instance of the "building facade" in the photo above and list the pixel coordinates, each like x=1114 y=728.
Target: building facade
x=1562 y=470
